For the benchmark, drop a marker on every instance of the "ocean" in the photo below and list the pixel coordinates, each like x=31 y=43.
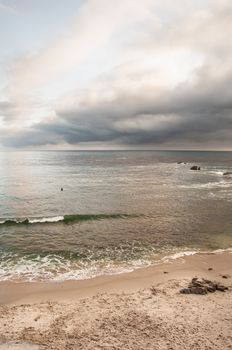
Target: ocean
x=119 y=210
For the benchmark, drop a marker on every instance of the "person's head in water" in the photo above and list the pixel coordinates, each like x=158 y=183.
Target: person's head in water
x=62 y=189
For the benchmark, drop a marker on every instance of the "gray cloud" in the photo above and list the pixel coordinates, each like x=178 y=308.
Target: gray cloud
x=6 y=108
x=198 y=114
x=196 y=111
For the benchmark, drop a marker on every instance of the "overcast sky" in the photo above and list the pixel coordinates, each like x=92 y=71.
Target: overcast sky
x=116 y=74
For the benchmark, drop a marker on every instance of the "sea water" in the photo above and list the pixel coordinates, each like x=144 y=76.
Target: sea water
x=119 y=210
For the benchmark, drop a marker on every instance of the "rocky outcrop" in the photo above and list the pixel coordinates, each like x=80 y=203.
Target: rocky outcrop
x=203 y=286
x=195 y=167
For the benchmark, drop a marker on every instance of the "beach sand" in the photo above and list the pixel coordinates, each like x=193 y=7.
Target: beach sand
x=122 y=311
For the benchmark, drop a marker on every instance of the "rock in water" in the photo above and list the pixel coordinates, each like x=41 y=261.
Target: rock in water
x=195 y=167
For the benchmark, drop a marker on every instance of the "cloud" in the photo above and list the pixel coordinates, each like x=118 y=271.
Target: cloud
x=198 y=113
x=7 y=8
x=172 y=87
x=90 y=29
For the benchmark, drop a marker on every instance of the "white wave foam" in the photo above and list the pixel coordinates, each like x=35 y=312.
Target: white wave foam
x=33 y=220
x=46 y=219
x=91 y=273
x=182 y=254
x=55 y=268
x=220 y=184
x=179 y=255
x=216 y=172
x=220 y=251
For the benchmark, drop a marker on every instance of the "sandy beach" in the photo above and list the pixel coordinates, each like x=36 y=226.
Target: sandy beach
x=143 y=309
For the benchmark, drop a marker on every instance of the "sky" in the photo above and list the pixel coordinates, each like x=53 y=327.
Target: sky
x=116 y=74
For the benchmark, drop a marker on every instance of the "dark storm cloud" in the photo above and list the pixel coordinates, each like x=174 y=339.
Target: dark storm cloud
x=196 y=111
x=200 y=113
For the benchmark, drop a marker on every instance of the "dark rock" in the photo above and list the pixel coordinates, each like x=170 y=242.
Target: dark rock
x=210 y=269
x=221 y=288
x=165 y=272
x=204 y=280
x=195 y=167
x=198 y=290
x=203 y=286
x=185 y=291
x=227 y=173
x=211 y=289
x=197 y=284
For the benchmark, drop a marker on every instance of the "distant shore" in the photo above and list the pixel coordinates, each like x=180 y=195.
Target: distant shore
x=122 y=311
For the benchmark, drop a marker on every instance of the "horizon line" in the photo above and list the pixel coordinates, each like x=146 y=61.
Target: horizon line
x=115 y=150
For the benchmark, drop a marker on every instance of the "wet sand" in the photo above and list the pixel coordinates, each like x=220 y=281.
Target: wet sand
x=122 y=311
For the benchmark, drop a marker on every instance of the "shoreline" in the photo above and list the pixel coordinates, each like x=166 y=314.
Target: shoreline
x=184 y=267
x=143 y=309
x=159 y=259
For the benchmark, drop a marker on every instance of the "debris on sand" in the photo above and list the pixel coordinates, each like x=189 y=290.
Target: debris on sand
x=153 y=290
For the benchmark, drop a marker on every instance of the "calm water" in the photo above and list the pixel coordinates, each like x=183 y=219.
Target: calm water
x=152 y=206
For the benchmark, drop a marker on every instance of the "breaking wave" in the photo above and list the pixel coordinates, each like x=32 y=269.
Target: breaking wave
x=65 y=219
